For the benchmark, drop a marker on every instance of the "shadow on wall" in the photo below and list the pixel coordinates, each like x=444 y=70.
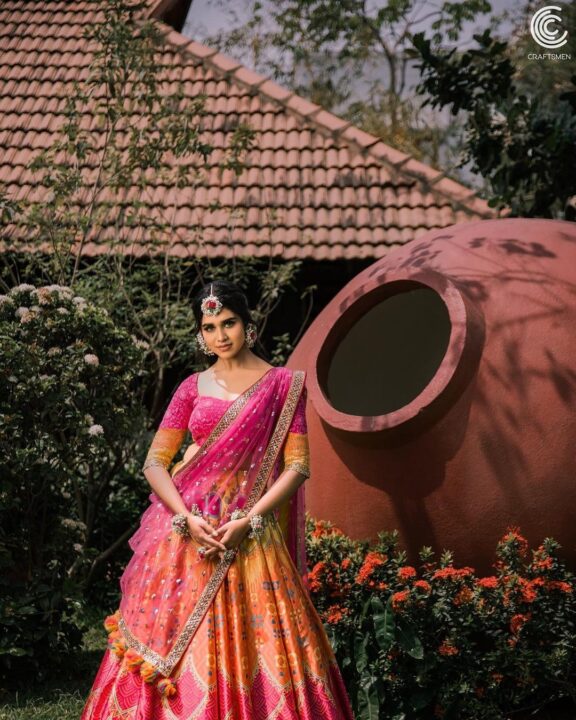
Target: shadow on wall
x=442 y=390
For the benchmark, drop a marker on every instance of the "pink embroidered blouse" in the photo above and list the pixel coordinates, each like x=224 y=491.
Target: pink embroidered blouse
x=199 y=414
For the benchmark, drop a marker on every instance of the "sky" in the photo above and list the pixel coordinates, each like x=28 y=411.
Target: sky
x=207 y=17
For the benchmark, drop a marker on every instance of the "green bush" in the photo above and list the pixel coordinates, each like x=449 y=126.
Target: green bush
x=67 y=426
x=438 y=641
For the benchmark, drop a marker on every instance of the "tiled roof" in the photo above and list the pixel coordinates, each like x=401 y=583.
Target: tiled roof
x=337 y=192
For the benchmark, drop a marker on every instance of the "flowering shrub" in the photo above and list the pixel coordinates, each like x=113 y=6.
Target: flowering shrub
x=67 y=422
x=438 y=641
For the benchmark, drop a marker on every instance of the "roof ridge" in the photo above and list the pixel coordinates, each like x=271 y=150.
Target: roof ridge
x=436 y=180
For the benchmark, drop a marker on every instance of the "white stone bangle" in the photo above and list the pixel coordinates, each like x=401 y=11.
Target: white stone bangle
x=180 y=525
x=257 y=525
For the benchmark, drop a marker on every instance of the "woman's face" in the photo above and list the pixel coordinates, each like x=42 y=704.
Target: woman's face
x=223 y=333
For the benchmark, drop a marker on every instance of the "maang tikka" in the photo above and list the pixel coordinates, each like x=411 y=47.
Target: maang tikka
x=212 y=305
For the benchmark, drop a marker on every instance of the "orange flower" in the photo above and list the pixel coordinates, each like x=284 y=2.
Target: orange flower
x=490 y=582
x=452 y=573
x=518 y=621
x=326 y=576
x=335 y=613
x=447 y=649
x=406 y=573
x=325 y=527
x=372 y=561
x=544 y=564
x=399 y=599
x=345 y=564
x=314 y=580
x=423 y=585
x=513 y=535
x=527 y=590
x=559 y=585
x=465 y=595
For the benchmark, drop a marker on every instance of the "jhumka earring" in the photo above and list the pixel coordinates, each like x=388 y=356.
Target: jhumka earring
x=251 y=334
x=202 y=344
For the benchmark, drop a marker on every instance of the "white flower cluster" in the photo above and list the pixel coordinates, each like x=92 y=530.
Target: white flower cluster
x=95 y=430
x=91 y=359
x=46 y=295
x=25 y=315
x=61 y=290
x=140 y=343
x=23 y=287
x=80 y=303
x=73 y=524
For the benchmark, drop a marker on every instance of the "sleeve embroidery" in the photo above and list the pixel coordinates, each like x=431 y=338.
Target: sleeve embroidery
x=296 y=450
x=297 y=454
x=173 y=426
x=298 y=424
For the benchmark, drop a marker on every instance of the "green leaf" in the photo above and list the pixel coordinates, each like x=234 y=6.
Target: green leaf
x=367 y=700
x=360 y=654
x=384 y=623
x=409 y=641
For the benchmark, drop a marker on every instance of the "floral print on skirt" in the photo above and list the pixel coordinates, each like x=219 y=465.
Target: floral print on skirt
x=260 y=653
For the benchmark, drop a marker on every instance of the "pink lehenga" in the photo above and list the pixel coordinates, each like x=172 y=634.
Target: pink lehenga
x=234 y=638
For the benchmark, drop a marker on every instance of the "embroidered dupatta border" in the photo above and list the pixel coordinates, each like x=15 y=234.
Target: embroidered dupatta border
x=165 y=665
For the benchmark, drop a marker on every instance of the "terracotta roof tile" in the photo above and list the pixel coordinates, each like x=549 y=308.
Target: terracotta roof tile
x=315 y=186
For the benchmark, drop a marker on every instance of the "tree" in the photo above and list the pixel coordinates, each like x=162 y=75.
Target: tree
x=520 y=133
x=324 y=49
x=127 y=130
x=69 y=431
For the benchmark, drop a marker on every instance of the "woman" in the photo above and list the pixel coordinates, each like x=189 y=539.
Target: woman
x=214 y=621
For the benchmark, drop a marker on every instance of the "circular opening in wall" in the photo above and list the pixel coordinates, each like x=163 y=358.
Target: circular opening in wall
x=399 y=347
x=390 y=354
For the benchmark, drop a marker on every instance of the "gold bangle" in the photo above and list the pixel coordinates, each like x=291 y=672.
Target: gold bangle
x=152 y=462
x=299 y=467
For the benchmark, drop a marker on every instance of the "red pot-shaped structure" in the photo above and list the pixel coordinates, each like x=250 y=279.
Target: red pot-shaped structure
x=442 y=391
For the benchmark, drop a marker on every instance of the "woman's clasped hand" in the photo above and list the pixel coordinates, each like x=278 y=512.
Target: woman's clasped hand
x=229 y=535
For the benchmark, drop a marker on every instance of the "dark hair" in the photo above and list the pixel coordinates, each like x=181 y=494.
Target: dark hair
x=232 y=298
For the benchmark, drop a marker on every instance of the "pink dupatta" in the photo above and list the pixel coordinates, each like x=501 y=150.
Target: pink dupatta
x=166 y=587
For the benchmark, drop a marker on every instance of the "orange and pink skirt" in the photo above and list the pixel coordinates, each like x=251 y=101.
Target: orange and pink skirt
x=260 y=653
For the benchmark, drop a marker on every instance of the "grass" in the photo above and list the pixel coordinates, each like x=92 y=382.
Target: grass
x=58 y=699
